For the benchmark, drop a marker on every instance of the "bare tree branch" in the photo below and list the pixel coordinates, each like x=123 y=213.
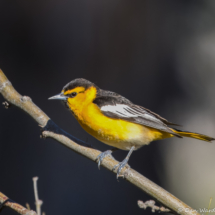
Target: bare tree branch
x=151 y=204
x=38 y=202
x=15 y=206
x=50 y=129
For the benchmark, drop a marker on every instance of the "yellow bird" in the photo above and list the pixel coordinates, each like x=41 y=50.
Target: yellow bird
x=116 y=121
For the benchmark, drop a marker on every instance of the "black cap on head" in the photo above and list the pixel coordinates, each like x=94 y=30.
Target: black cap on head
x=79 y=82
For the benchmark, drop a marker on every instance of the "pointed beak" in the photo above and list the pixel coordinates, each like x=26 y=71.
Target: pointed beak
x=59 y=97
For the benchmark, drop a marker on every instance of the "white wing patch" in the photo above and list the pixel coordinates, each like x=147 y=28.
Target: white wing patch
x=125 y=111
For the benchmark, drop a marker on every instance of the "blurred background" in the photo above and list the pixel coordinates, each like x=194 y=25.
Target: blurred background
x=159 y=54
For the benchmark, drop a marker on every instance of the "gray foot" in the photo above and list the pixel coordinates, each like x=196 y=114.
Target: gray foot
x=102 y=156
x=120 y=166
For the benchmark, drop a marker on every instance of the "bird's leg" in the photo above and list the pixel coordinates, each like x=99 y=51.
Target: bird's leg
x=122 y=164
x=104 y=154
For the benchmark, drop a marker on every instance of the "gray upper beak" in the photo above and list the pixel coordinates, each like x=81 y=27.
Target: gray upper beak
x=59 y=97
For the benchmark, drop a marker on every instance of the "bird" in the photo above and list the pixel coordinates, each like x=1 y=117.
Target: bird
x=116 y=121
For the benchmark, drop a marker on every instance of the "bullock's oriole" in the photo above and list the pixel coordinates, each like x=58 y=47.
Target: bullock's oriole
x=116 y=121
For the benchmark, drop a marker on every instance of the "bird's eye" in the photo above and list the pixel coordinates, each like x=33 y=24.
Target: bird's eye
x=72 y=95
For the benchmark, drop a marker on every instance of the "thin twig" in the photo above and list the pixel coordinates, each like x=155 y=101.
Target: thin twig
x=15 y=206
x=38 y=202
x=53 y=131
x=151 y=204
x=28 y=206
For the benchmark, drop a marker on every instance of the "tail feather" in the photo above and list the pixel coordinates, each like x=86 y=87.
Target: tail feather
x=194 y=135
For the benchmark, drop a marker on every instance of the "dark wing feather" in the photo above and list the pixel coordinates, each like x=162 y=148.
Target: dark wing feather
x=104 y=97
x=159 y=117
x=115 y=106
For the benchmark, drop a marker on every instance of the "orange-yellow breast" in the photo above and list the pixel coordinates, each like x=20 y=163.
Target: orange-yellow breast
x=114 y=132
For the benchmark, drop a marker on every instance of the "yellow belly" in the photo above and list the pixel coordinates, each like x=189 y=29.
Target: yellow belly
x=116 y=132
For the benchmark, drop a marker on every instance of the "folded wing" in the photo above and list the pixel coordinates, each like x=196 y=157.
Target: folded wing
x=118 y=107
